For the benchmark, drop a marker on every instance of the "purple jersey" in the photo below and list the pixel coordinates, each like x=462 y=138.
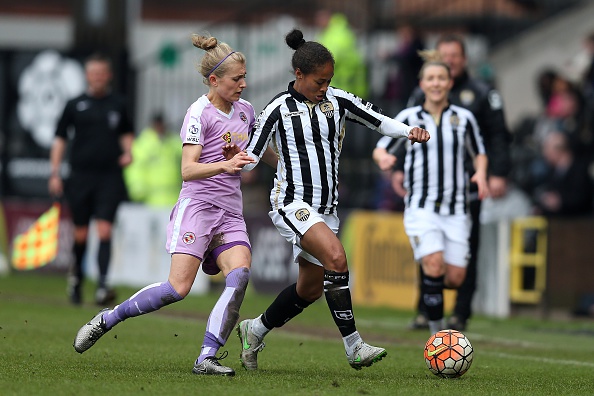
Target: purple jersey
x=204 y=124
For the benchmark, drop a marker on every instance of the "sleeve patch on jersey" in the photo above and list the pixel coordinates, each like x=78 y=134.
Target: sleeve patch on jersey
x=193 y=134
x=495 y=100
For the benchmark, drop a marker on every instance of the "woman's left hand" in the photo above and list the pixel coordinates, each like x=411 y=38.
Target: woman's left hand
x=481 y=181
x=230 y=150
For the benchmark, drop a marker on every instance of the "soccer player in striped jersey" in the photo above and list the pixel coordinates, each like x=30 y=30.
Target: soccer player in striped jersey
x=206 y=227
x=436 y=217
x=306 y=126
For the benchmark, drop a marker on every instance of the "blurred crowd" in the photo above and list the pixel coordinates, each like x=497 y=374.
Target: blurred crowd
x=553 y=151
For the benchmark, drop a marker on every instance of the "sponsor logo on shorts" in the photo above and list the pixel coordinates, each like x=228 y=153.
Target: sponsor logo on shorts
x=302 y=214
x=327 y=108
x=189 y=238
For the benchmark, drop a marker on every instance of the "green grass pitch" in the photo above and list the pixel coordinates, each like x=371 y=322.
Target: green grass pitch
x=153 y=354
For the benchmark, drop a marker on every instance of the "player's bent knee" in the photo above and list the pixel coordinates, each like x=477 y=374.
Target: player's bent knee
x=433 y=266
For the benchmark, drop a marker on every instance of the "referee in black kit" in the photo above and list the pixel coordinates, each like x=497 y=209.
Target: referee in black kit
x=97 y=129
x=486 y=105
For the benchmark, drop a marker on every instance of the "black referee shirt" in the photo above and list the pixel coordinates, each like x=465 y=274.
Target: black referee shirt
x=94 y=127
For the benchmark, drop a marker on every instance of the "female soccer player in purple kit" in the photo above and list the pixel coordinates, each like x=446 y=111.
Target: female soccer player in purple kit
x=206 y=225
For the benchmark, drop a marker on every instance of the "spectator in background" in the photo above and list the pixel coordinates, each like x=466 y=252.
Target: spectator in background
x=101 y=145
x=403 y=78
x=350 y=73
x=566 y=190
x=564 y=111
x=154 y=177
x=565 y=106
x=544 y=85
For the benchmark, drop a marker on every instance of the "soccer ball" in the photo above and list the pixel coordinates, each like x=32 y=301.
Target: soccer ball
x=448 y=354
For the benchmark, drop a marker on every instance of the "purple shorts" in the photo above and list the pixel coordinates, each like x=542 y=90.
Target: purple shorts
x=204 y=231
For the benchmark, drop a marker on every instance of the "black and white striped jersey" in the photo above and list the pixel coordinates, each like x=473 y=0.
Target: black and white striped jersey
x=434 y=173
x=308 y=139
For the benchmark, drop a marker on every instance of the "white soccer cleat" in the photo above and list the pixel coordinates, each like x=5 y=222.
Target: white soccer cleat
x=90 y=332
x=364 y=355
x=211 y=366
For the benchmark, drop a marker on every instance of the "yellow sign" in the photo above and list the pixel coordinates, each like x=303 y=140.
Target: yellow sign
x=381 y=262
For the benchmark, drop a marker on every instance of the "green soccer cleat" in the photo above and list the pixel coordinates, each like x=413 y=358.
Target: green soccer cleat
x=250 y=345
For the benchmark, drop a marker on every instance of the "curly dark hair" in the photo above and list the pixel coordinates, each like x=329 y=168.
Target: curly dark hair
x=309 y=55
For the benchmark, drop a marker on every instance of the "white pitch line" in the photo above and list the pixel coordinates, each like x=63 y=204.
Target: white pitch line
x=539 y=359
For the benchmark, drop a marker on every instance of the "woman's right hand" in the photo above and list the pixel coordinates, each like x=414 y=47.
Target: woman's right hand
x=238 y=161
x=55 y=186
x=398 y=183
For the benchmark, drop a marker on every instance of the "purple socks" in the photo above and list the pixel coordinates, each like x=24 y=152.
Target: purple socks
x=147 y=299
x=225 y=313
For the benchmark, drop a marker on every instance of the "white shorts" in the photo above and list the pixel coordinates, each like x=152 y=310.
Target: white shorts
x=430 y=232
x=293 y=221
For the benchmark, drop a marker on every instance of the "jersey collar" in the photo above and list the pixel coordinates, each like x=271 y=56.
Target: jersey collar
x=296 y=94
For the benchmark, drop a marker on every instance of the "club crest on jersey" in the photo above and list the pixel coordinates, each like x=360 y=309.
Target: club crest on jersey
x=467 y=97
x=454 y=120
x=189 y=238
x=302 y=214
x=327 y=108
x=227 y=137
x=243 y=117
